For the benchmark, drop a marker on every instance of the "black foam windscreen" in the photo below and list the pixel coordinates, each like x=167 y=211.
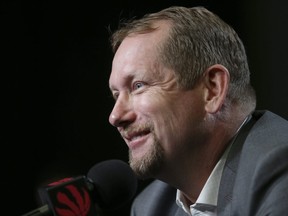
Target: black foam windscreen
x=115 y=183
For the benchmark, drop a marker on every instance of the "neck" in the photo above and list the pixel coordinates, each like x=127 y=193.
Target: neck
x=191 y=172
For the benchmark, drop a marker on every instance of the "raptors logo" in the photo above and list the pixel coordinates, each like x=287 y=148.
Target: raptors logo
x=70 y=197
x=78 y=206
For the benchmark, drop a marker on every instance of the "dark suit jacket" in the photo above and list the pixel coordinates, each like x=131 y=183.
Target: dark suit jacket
x=254 y=180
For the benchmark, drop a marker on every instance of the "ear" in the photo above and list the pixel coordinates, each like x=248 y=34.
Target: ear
x=216 y=80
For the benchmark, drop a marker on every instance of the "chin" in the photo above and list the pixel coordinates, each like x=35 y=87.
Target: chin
x=147 y=165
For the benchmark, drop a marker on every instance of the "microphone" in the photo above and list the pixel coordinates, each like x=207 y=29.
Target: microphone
x=107 y=186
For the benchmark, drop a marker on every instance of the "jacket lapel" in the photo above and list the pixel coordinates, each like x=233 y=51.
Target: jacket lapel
x=230 y=169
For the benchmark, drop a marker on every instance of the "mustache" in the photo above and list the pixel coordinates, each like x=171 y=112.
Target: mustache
x=137 y=129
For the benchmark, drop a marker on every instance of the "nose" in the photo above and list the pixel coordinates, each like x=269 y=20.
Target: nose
x=122 y=113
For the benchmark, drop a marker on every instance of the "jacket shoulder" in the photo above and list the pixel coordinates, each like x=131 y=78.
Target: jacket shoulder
x=158 y=198
x=261 y=183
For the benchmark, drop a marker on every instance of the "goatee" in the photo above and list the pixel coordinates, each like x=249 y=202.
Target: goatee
x=150 y=163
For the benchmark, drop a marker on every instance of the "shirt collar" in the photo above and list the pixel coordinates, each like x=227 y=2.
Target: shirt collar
x=209 y=193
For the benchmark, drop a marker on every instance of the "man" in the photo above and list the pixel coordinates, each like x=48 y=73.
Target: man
x=185 y=107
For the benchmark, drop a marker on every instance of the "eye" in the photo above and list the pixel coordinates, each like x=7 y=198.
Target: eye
x=137 y=85
x=115 y=95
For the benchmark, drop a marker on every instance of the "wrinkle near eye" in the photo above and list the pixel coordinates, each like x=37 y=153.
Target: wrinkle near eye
x=169 y=83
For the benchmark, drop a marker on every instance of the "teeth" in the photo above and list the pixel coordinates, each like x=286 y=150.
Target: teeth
x=135 y=137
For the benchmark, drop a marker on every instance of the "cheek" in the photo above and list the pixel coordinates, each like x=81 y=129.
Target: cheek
x=149 y=105
x=179 y=120
x=163 y=115
x=157 y=111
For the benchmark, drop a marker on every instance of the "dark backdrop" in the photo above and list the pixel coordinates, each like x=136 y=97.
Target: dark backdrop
x=55 y=67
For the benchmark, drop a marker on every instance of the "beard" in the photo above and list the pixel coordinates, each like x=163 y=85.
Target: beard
x=149 y=165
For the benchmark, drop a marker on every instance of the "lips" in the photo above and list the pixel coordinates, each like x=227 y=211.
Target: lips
x=130 y=136
x=136 y=138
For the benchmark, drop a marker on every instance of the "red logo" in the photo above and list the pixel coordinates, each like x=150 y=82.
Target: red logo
x=78 y=203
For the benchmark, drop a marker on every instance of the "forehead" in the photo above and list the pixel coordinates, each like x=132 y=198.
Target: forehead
x=138 y=52
x=144 y=43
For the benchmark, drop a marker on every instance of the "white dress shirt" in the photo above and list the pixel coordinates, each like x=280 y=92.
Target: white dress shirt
x=206 y=203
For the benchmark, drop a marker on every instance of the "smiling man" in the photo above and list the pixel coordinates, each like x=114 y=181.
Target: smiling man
x=186 y=109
